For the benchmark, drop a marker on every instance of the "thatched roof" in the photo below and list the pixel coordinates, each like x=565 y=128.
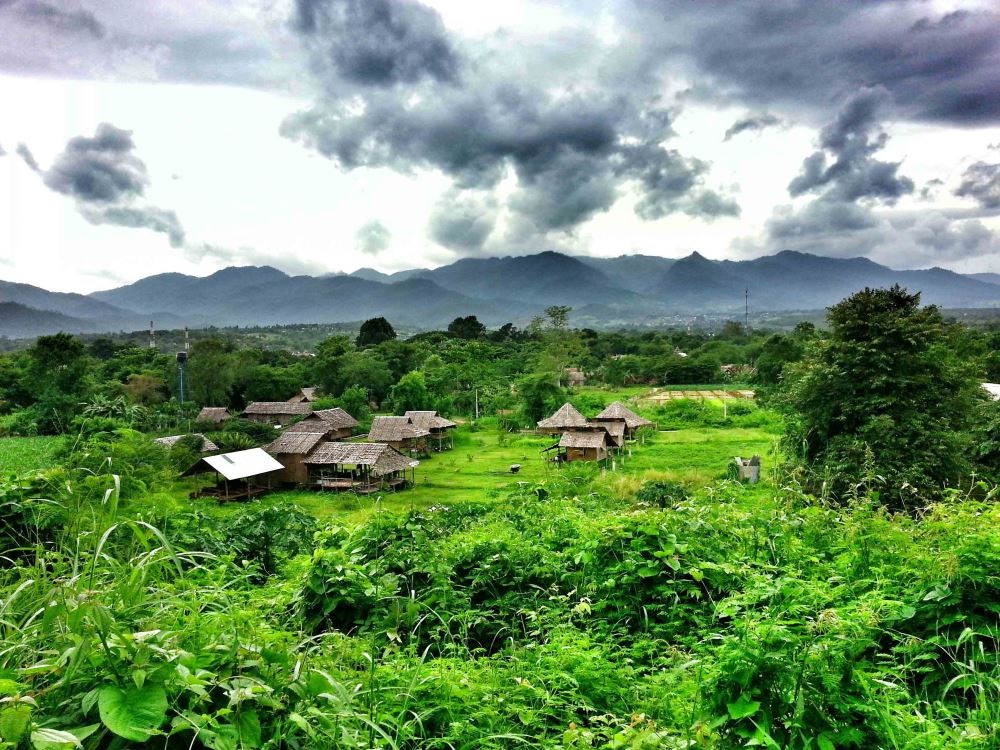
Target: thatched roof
x=429 y=420
x=305 y=395
x=312 y=423
x=617 y=411
x=295 y=442
x=615 y=430
x=383 y=459
x=596 y=439
x=279 y=408
x=394 y=430
x=337 y=418
x=567 y=416
x=213 y=414
x=206 y=444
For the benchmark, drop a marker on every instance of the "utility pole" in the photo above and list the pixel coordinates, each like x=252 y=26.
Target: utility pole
x=152 y=336
x=182 y=358
x=477 y=404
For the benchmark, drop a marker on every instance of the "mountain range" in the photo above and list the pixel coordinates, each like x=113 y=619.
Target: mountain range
x=603 y=292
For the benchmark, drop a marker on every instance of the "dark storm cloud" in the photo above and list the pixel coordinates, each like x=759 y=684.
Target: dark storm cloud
x=139 y=217
x=377 y=42
x=463 y=221
x=671 y=183
x=852 y=173
x=106 y=178
x=981 y=181
x=29 y=158
x=802 y=54
x=71 y=21
x=752 y=123
x=565 y=124
x=373 y=238
x=102 y=169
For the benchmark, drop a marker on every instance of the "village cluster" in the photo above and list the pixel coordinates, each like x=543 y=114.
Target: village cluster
x=318 y=449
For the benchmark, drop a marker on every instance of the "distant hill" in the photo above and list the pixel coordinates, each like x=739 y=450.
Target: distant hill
x=799 y=281
x=19 y=321
x=637 y=273
x=989 y=278
x=603 y=292
x=263 y=296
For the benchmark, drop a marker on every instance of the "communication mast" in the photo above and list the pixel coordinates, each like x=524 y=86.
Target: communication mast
x=746 y=299
x=152 y=336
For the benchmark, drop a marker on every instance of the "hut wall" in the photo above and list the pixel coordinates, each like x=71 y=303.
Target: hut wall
x=296 y=471
x=586 y=454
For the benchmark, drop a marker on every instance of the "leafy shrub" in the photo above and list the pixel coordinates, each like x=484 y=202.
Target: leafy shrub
x=662 y=493
x=258 y=432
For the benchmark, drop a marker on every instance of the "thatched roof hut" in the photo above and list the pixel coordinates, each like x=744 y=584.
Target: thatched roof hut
x=430 y=421
x=293 y=447
x=304 y=396
x=337 y=418
x=437 y=426
x=276 y=412
x=582 y=446
x=618 y=412
x=207 y=446
x=615 y=430
x=565 y=418
x=360 y=467
x=213 y=414
x=381 y=458
x=395 y=429
x=300 y=443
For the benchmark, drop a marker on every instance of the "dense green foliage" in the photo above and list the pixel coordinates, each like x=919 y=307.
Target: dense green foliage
x=562 y=616
x=887 y=398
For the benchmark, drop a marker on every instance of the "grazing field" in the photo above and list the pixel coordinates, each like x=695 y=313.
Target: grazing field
x=26 y=454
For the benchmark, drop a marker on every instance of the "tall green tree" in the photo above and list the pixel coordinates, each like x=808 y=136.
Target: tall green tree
x=210 y=372
x=374 y=331
x=410 y=393
x=468 y=327
x=885 y=399
x=57 y=377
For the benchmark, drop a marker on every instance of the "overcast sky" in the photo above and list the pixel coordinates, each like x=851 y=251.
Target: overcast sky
x=325 y=135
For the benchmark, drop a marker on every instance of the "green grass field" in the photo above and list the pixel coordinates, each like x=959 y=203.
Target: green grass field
x=477 y=469
x=26 y=454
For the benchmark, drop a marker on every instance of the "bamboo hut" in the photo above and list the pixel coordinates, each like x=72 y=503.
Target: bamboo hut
x=618 y=412
x=438 y=427
x=566 y=419
x=240 y=475
x=304 y=396
x=581 y=446
x=276 y=413
x=359 y=467
x=341 y=424
x=615 y=430
x=291 y=449
x=574 y=377
x=400 y=433
x=214 y=415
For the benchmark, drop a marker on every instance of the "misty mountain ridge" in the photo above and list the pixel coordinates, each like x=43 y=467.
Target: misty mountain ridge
x=603 y=292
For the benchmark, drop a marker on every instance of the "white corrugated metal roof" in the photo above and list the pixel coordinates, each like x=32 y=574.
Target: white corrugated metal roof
x=993 y=389
x=243 y=464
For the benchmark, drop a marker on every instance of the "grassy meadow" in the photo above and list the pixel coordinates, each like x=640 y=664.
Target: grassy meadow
x=25 y=454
